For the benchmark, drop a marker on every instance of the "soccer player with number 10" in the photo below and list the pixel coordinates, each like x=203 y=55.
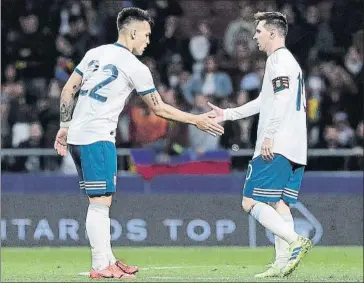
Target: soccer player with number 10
x=274 y=175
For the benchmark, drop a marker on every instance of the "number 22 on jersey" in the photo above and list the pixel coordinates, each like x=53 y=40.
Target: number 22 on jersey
x=93 y=92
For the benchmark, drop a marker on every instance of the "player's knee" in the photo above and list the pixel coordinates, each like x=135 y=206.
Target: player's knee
x=247 y=204
x=105 y=199
x=273 y=204
x=282 y=206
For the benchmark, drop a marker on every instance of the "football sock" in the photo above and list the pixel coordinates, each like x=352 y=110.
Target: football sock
x=270 y=219
x=281 y=246
x=109 y=252
x=98 y=232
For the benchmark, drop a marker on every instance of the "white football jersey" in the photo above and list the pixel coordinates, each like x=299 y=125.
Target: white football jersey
x=282 y=71
x=109 y=74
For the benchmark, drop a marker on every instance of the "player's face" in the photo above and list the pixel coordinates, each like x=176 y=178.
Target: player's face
x=142 y=37
x=262 y=36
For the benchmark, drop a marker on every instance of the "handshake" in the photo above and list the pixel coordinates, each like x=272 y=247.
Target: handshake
x=209 y=121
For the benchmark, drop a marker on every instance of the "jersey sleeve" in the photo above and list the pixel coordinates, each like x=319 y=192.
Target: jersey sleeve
x=279 y=77
x=142 y=80
x=278 y=74
x=82 y=66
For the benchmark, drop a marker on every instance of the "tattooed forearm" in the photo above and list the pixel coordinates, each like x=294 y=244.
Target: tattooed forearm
x=66 y=109
x=68 y=103
x=154 y=99
x=76 y=88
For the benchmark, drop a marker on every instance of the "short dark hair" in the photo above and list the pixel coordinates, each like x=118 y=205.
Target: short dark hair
x=275 y=19
x=129 y=14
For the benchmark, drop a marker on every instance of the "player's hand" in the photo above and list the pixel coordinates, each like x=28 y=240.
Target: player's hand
x=217 y=111
x=267 y=149
x=60 y=144
x=205 y=122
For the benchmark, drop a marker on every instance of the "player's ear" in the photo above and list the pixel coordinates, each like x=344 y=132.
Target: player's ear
x=272 y=33
x=133 y=32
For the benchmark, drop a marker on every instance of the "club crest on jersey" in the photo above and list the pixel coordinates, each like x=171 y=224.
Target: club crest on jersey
x=280 y=83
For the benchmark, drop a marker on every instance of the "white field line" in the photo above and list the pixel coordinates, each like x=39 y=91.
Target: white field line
x=167 y=268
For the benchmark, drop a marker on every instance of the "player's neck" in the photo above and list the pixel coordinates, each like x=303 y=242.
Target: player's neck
x=274 y=47
x=124 y=42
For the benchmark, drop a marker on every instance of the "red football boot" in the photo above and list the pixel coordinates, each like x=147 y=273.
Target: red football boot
x=112 y=271
x=129 y=269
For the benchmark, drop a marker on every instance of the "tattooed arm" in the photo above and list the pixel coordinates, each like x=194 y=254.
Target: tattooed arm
x=203 y=121
x=166 y=111
x=68 y=102
x=68 y=99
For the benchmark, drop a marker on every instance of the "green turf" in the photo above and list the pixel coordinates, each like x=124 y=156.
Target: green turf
x=215 y=264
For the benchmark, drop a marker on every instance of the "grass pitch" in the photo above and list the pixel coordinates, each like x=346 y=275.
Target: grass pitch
x=169 y=264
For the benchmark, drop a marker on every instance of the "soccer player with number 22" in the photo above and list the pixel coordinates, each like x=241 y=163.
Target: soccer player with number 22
x=104 y=79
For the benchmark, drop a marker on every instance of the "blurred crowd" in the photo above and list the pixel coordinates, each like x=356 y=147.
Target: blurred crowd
x=199 y=52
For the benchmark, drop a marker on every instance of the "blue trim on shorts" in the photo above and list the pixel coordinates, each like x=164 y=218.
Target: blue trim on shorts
x=96 y=166
x=292 y=189
x=270 y=181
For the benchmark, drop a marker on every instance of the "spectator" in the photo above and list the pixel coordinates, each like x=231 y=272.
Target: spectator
x=147 y=129
x=359 y=135
x=177 y=137
x=166 y=30
x=173 y=71
x=345 y=134
x=31 y=163
x=357 y=162
x=330 y=141
x=340 y=91
x=186 y=88
x=238 y=65
x=325 y=43
x=78 y=39
x=213 y=82
x=242 y=28
x=9 y=89
x=315 y=90
x=353 y=62
x=19 y=114
x=298 y=40
x=202 y=45
x=152 y=65
x=31 y=50
x=4 y=107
